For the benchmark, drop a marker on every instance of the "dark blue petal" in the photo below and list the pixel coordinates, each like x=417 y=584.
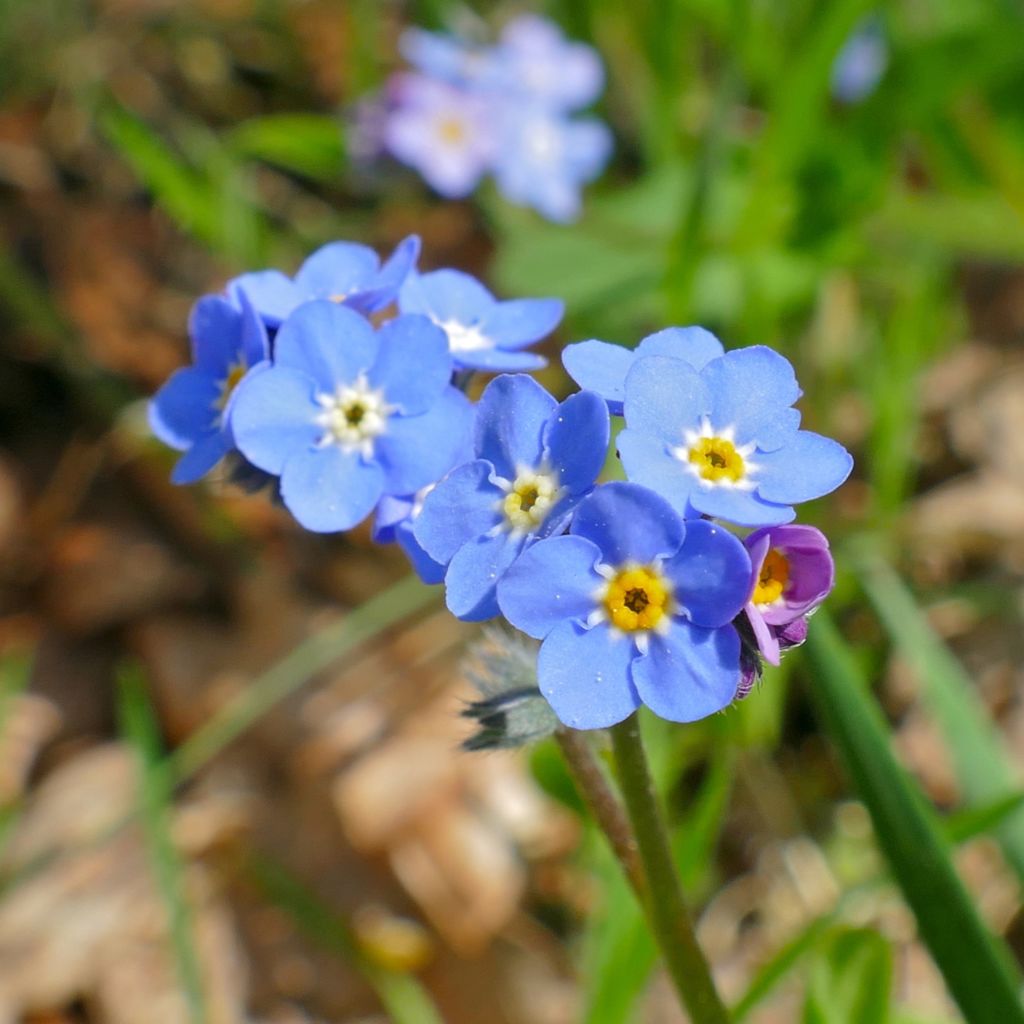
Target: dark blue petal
x=418 y=450
x=648 y=461
x=600 y=367
x=521 y=322
x=337 y=270
x=551 y=581
x=628 y=523
x=464 y=505
x=396 y=268
x=473 y=574
x=184 y=409
x=665 y=397
x=510 y=421
x=745 y=508
x=428 y=570
x=327 y=342
x=806 y=468
x=711 y=573
x=327 y=489
x=445 y=295
x=215 y=327
x=694 y=345
x=272 y=294
x=690 y=673
x=413 y=365
x=201 y=458
x=585 y=675
x=255 y=344
x=391 y=511
x=273 y=415
x=752 y=390
x=576 y=440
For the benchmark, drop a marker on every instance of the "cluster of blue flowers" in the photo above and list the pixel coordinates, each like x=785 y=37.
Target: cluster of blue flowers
x=348 y=384
x=505 y=109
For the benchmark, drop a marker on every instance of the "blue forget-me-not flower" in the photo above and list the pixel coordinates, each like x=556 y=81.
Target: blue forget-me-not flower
x=634 y=606
x=535 y=460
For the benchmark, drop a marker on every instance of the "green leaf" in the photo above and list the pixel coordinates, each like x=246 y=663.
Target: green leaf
x=976 y=821
x=851 y=982
x=976 y=967
x=308 y=144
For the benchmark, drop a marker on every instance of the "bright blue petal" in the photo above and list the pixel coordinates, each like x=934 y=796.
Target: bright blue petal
x=690 y=673
x=413 y=365
x=327 y=489
x=752 y=390
x=428 y=570
x=521 y=322
x=445 y=295
x=585 y=675
x=273 y=295
x=215 y=327
x=665 y=397
x=711 y=573
x=273 y=416
x=693 y=345
x=201 y=458
x=648 y=461
x=576 y=440
x=745 y=508
x=551 y=581
x=327 y=342
x=497 y=360
x=255 y=344
x=464 y=505
x=473 y=575
x=337 y=270
x=807 y=467
x=391 y=511
x=628 y=523
x=184 y=409
x=510 y=421
x=600 y=367
x=396 y=269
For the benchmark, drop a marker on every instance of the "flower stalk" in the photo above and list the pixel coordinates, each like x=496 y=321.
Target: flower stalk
x=666 y=910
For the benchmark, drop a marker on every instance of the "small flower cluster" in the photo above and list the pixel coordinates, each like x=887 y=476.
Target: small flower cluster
x=347 y=383
x=505 y=109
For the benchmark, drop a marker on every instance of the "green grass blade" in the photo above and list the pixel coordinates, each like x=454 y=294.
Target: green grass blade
x=402 y=996
x=307 y=144
x=975 y=966
x=975 y=744
x=140 y=728
x=976 y=821
x=390 y=606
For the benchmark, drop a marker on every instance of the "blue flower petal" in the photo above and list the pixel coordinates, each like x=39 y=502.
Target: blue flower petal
x=428 y=570
x=752 y=390
x=413 y=365
x=391 y=511
x=551 y=581
x=273 y=295
x=255 y=345
x=647 y=461
x=416 y=451
x=694 y=345
x=337 y=270
x=395 y=270
x=215 y=327
x=201 y=458
x=327 y=489
x=327 y=342
x=273 y=415
x=497 y=360
x=576 y=440
x=585 y=675
x=510 y=421
x=808 y=467
x=628 y=523
x=521 y=322
x=473 y=574
x=184 y=409
x=600 y=367
x=711 y=573
x=464 y=505
x=689 y=673
x=445 y=295
x=665 y=397
x=745 y=508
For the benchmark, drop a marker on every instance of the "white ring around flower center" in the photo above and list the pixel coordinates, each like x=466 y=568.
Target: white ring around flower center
x=528 y=499
x=464 y=337
x=693 y=438
x=353 y=416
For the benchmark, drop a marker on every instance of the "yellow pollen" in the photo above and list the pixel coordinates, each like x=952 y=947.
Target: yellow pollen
x=773 y=579
x=451 y=130
x=235 y=373
x=528 y=502
x=637 y=599
x=717 y=459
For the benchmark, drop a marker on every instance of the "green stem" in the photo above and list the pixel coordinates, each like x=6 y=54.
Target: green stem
x=666 y=910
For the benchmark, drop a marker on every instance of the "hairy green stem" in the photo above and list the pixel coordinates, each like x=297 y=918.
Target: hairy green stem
x=666 y=910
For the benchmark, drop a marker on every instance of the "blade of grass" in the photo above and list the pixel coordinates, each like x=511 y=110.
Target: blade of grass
x=975 y=966
x=976 y=821
x=975 y=744
x=402 y=996
x=140 y=728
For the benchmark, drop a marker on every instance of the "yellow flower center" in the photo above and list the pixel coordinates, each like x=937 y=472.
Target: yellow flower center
x=637 y=598
x=716 y=458
x=773 y=578
x=235 y=373
x=530 y=499
x=451 y=131
x=353 y=416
